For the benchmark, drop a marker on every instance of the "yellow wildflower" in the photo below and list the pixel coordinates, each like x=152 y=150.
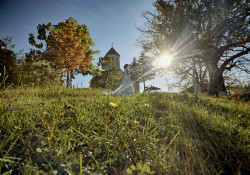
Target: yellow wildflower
x=112 y=104
x=146 y=105
x=39 y=150
x=137 y=123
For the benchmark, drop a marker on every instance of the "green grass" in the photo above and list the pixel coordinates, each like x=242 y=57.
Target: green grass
x=173 y=134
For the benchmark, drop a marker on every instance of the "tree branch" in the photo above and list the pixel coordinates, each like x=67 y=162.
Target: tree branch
x=223 y=66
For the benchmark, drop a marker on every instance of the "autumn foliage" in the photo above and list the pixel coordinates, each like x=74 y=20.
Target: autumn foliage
x=67 y=46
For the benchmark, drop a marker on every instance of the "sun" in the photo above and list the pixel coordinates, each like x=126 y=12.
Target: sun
x=164 y=60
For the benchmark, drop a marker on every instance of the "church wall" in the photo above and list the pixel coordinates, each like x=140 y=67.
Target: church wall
x=119 y=62
x=115 y=62
x=114 y=65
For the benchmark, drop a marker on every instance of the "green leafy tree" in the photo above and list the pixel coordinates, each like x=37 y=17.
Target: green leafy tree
x=107 y=78
x=134 y=68
x=7 y=61
x=34 y=71
x=67 y=47
x=215 y=31
x=143 y=69
x=147 y=68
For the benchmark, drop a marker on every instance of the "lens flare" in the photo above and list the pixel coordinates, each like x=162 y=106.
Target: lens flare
x=164 y=60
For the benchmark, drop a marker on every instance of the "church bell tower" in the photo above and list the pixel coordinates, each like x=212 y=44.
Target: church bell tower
x=115 y=63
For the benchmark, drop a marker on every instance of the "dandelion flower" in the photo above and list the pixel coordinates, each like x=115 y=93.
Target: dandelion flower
x=112 y=104
x=39 y=150
x=146 y=105
x=137 y=123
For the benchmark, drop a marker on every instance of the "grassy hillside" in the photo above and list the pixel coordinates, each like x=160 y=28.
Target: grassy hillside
x=71 y=131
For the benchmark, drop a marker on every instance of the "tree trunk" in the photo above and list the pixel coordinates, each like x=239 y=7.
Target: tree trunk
x=71 y=77
x=216 y=80
x=144 y=86
x=195 y=81
x=67 y=81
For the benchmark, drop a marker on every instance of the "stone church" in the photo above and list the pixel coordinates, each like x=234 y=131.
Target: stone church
x=115 y=63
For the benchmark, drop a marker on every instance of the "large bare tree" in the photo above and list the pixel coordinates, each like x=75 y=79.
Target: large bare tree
x=214 y=31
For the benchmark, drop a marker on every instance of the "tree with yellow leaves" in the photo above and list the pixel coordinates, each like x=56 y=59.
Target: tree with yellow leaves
x=67 y=46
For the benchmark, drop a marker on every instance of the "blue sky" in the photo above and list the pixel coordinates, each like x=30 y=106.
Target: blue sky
x=109 y=21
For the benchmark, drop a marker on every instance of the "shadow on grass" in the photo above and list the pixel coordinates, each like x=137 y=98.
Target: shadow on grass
x=211 y=147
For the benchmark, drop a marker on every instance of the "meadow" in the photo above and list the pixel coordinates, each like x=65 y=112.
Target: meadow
x=82 y=131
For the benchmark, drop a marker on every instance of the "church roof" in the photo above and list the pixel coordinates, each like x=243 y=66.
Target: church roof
x=112 y=51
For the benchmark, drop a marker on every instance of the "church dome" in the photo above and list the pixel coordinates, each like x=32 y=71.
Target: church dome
x=112 y=51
